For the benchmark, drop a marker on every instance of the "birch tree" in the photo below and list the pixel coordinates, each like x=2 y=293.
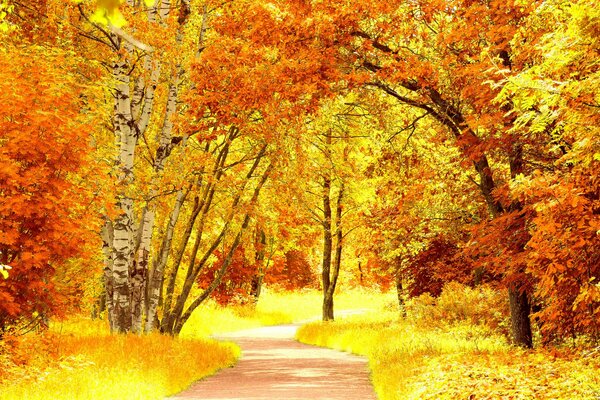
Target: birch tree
x=137 y=68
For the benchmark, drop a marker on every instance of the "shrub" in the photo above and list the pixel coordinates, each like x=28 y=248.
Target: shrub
x=481 y=305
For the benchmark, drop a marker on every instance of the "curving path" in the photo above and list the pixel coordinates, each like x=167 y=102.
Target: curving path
x=274 y=366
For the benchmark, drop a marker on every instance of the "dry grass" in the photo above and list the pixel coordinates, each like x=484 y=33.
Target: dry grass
x=440 y=352
x=85 y=362
x=79 y=359
x=276 y=308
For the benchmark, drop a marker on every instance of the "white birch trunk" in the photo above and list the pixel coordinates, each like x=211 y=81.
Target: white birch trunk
x=107 y=243
x=140 y=272
x=123 y=224
x=133 y=289
x=142 y=107
x=140 y=284
x=162 y=153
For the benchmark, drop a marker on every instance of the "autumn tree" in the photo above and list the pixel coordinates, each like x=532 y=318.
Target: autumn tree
x=436 y=58
x=156 y=169
x=294 y=271
x=237 y=285
x=473 y=121
x=446 y=62
x=423 y=200
x=235 y=221
x=45 y=132
x=450 y=61
x=555 y=101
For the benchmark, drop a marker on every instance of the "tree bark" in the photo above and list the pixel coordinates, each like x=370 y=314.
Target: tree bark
x=202 y=205
x=520 y=308
x=156 y=278
x=400 y=294
x=328 y=309
x=519 y=317
x=257 y=279
x=140 y=271
x=142 y=112
x=123 y=226
x=140 y=284
x=178 y=317
x=327 y=250
x=124 y=274
x=107 y=242
x=450 y=116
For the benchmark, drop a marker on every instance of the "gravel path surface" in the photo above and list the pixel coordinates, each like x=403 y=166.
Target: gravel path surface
x=274 y=366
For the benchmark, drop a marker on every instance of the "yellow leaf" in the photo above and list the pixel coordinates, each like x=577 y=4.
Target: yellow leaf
x=99 y=17
x=4 y=270
x=117 y=19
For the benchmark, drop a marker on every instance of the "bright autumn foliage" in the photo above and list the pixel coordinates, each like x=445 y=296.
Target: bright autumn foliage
x=279 y=68
x=441 y=262
x=44 y=143
x=291 y=272
x=482 y=125
x=559 y=95
x=236 y=284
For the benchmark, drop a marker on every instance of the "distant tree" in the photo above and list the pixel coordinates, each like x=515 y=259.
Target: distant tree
x=293 y=271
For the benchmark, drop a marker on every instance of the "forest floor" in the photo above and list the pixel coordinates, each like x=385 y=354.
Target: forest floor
x=451 y=347
x=275 y=366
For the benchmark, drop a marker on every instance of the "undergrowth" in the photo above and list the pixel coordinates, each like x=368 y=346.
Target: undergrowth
x=455 y=347
x=81 y=360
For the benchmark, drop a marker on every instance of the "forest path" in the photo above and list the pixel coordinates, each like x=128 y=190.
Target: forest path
x=274 y=366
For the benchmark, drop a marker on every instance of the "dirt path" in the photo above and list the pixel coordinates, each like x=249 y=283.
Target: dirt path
x=274 y=366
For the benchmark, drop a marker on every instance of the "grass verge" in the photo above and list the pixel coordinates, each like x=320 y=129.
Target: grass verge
x=416 y=358
x=276 y=308
x=79 y=359
x=91 y=364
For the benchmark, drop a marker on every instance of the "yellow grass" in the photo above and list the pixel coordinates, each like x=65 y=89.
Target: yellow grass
x=91 y=364
x=448 y=348
x=276 y=308
x=79 y=359
x=416 y=358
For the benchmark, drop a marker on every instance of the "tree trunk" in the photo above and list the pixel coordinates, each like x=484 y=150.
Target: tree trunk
x=179 y=317
x=182 y=317
x=174 y=317
x=520 y=308
x=157 y=274
x=257 y=279
x=450 y=116
x=123 y=226
x=328 y=308
x=337 y=259
x=126 y=268
x=203 y=205
x=400 y=294
x=327 y=250
x=162 y=153
x=124 y=274
x=107 y=242
x=519 y=317
x=519 y=305
x=140 y=271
